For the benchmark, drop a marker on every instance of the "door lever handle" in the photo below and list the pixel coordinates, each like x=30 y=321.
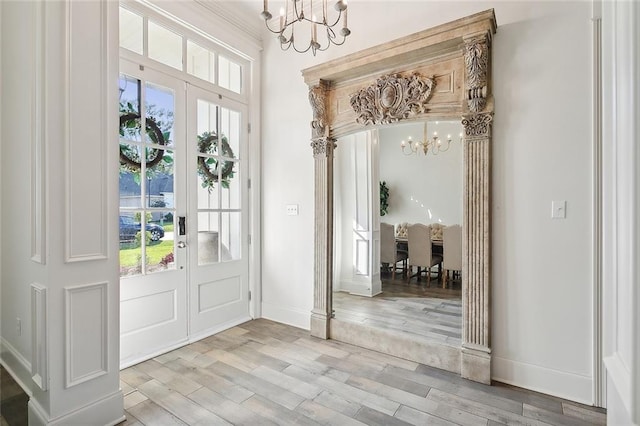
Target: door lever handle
x=182 y=244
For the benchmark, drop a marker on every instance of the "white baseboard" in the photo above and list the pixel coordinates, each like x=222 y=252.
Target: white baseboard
x=360 y=288
x=16 y=364
x=295 y=317
x=107 y=411
x=565 y=385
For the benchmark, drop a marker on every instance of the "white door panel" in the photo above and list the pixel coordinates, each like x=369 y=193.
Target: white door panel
x=153 y=288
x=218 y=270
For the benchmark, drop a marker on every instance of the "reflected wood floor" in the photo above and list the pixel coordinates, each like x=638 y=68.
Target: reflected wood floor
x=266 y=373
x=423 y=310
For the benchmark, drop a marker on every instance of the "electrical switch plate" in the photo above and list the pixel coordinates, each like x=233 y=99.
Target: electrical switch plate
x=559 y=209
x=292 y=210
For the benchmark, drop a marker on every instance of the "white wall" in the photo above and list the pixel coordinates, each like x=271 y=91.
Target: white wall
x=57 y=201
x=422 y=189
x=541 y=267
x=356 y=217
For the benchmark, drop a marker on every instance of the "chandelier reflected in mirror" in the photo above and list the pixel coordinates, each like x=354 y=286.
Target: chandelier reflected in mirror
x=433 y=145
x=302 y=20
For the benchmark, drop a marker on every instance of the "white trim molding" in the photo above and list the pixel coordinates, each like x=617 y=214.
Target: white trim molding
x=39 y=336
x=598 y=371
x=86 y=326
x=621 y=207
x=87 y=133
x=38 y=143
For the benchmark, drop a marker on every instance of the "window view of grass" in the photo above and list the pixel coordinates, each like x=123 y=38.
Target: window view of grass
x=159 y=257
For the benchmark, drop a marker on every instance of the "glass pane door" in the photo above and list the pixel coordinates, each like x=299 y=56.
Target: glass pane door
x=147 y=208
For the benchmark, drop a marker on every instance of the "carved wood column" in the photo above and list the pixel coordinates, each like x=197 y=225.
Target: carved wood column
x=323 y=147
x=476 y=344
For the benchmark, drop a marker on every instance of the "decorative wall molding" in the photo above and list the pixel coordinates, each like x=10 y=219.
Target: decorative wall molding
x=38 y=143
x=318 y=101
x=39 y=336
x=392 y=98
x=323 y=147
x=476 y=60
x=86 y=131
x=86 y=332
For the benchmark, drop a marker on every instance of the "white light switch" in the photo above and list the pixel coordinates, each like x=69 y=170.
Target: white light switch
x=292 y=210
x=559 y=209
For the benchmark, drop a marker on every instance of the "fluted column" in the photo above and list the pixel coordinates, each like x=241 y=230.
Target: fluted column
x=476 y=344
x=323 y=147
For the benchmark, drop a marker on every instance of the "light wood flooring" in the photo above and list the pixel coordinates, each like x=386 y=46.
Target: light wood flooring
x=421 y=309
x=266 y=373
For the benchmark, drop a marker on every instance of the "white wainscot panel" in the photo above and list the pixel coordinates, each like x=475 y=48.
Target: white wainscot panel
x=87 y=132
x=86 y=332
x=147 y=311
x=214 y=294
x=362 y=257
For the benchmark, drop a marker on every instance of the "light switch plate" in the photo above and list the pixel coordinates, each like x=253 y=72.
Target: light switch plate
x=292 y=210
x=559 y=209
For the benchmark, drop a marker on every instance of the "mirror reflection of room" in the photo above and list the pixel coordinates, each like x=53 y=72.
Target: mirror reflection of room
x=398 y=229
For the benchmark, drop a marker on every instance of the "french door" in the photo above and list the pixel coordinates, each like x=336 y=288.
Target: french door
x=218 y=200
x=183 y=221
x=153 y=270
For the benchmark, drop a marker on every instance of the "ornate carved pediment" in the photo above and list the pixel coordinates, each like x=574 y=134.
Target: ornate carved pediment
x=392 y=98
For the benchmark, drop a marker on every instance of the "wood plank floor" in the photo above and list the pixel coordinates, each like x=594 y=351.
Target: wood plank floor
x=266 y=373
x=425 y=311
x=13 y=401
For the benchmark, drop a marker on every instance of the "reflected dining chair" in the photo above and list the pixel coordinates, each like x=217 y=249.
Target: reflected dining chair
x=452 y=251
x=389 y=253
x=420 y=250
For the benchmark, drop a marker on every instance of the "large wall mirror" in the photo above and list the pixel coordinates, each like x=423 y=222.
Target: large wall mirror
x=364 y=106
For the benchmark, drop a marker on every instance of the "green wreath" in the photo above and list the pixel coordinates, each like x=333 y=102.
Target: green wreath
x=208 y=167
x=131 y=120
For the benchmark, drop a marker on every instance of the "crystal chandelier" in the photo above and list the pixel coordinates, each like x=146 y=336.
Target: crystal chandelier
x=435 y=145
x=314 y=14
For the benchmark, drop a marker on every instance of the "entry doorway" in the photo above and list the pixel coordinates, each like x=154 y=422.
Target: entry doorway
x=183 y=213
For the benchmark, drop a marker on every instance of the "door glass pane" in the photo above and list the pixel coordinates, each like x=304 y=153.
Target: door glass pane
x=160 y=241
x=130 y=189
x=200 y=62
x=130 y=245
x=231 y=241
x=159 y=191
x=207 y=126
x=229 y=74
x=230 y=128
x=165 y=46
x=208 y=193
x=130 y=31
x=159 y=107
x=129 y=108
x=208 y=241
x=231 y=185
